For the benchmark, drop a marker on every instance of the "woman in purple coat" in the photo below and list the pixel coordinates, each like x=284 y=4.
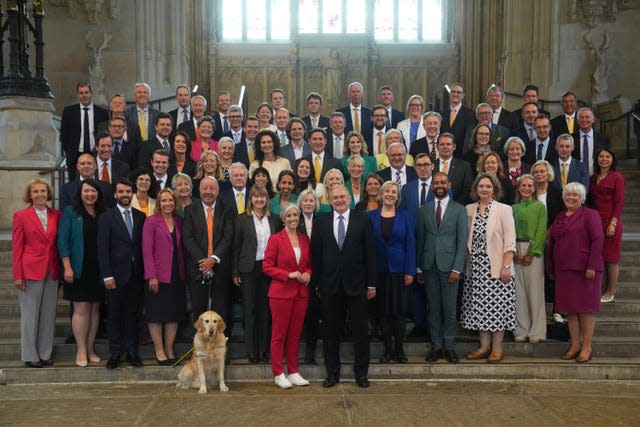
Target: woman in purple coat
x=574 y=259
x=164 y=299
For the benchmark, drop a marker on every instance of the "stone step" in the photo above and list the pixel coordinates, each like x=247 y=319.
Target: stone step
x=630 y=273
x=630 y=242
x=613 y=326
x=10 y=327
x=512 y=367
x=628 y=290
x=12 y=309
x=629 y=258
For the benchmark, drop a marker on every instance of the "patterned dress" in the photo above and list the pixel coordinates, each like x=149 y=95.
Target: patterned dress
x=487 y=303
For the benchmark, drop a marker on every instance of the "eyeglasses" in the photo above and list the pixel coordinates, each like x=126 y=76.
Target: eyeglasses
x=379 y=116
x=117 y=126
x=415 y=105
x=423 y=165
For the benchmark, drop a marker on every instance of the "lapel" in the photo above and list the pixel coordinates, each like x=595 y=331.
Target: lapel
x=447 y=214
x=492 y=223
x=37 y=224
x=115 y=211
x=288 y=247
x=431 y=216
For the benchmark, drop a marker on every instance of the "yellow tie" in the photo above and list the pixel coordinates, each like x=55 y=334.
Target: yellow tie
x=445 y=166
x=142 y=124
x=356 y=120
x=251 y=153
x=317 y=168
x=380 y=150
x=452 y=117
x=570 y=123
x=563 y=175
x=240 y=202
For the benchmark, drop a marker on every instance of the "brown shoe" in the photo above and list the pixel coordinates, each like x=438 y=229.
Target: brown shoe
x=570 y=356
x=478 y=354
x=495 y=357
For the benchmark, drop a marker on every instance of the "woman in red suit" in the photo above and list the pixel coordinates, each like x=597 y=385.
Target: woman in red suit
x=287 y=261
x=35 y=272
x=578 y=277
x=606 y=195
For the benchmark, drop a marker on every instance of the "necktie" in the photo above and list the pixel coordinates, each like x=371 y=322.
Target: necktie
x=423 y=194
x=117 y=148
x=142 y=124
x=105 y=173
x=438 y=214
x=341 y=231
x=570 y=123
x=398 y=178
x=240 y=202
x=445 y=166
x=496 y=118
x=585 y=151
x=338 y=147
x=86 y=144
x=225 y=125
x=185 y=116
x=165 y=145
x=236 y=137
x=317 y=168
x=532 y=134
x=283 y=139
x=563 y=176
x=356 y=120
x=452 y=117
x=380 y=150
x=390 y=117
x=539 y=155
x=250 y=152
x=432 y=153
x=128 y=222
x=159 y=184
x=210 y=231
x=314 y=122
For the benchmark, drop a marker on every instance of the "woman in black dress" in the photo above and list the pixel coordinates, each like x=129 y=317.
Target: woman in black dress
x=77 y=246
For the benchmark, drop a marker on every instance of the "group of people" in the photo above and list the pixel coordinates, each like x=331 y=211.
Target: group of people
x=323 y=223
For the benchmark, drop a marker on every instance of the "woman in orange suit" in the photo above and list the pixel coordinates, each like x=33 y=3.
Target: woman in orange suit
x=35 y=272
x=287 y=261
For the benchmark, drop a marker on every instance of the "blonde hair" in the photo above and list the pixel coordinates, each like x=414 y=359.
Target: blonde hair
x=176 y=203
x=27 y=191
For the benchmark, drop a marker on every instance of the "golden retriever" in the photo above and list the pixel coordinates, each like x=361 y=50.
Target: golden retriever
x=209 y=351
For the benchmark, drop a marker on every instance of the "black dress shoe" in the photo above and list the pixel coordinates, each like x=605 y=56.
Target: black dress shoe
x=433 y=355
x=451 y=356
x=310 y=361
x=362 y=382
x=134 y=360
x=386 y=358
x=401 y=357
x=264 y=357
x=254 y=360
x=48 y=362
x=114 y=361
x=330 y=381
x=165 y=362
x=33 y=364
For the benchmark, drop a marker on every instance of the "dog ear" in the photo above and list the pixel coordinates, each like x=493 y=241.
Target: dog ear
x=198 y=325
x=222 y=326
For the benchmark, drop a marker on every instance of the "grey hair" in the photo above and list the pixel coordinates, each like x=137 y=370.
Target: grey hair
x=575 y=187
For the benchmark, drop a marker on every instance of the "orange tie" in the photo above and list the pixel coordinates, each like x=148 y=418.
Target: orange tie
x=210 y=230
x=105 y=173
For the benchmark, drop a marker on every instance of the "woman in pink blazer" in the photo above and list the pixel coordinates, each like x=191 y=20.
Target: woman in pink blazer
x=287 y=261
x=35 y=272
x=165 y=298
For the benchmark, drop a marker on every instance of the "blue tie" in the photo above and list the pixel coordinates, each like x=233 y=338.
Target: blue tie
x=225 y=125
x=585 y=150
x=128 y=222
x=185 y=116
x=341 y=231
x=540 y=147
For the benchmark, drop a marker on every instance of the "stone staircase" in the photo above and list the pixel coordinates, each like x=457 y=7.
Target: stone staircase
x=616 y=341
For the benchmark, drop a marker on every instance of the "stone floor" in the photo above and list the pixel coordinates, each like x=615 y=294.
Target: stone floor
x=386 y=403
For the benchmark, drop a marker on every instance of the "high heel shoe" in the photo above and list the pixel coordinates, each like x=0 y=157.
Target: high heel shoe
x=608 y=299
x=584 y=359
x=570 y=356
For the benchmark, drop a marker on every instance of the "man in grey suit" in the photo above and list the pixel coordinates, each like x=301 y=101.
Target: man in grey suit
x=567 y=168
x=441 y=239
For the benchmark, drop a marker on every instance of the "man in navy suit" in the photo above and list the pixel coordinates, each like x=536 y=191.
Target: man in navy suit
x=457 y=119
x=441 y=247
x=86 y=167
x=108 y=168
x=244 y=150
x=79 y=125
x=501 y=116
x=319 y=157
x=182 y=114
x=458 y=170
x=142 y=111
x=125 y=150
x=121 y=269
x=385 y=97
x=235 y=196
x=567 y=122
x=357 y=116
x=541 y=148
x=220 y=117
x=398 y=170
x=314 y=118
x=527 y=131
x=587 y=137
x=576 y=171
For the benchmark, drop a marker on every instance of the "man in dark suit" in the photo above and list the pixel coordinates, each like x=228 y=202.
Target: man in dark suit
x=356 y=115
x=160 y=141
x=281 y=120
x=123 y=149
x=587 y=139
x=108 y=168
x=235 y=196
x=459 y=171
x=220 y=117
x=541 y=148
x=431 y=122
x=385 y=97
x=529 y=94
x=567 y=121
x=314 y=118
x=344 y=274
x=319 y=158
x=398 y=170
x=244 y=150
x=567 y=168
x=441 y=247
x=198 y=108
x=374 y=135
x=182 y=114
x=336 y=137
x=208 y=250
x=527 y=132
x=501 y=116
x=297 y=146
x=86 y=167
x=457 y=119
x=121 y=269
x=142 y=113
x=79 y=125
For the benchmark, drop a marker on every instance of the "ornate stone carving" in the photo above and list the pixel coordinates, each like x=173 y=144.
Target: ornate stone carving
x=591 y=11
x=37 y=151
x=92 y=8
x=599 y=84
x=97 y=42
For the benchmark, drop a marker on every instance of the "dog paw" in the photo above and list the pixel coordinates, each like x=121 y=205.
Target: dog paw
x=203 y=390
x=223 y=387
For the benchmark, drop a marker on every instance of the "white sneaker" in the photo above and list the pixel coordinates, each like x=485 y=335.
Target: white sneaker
x=296 y=379
x=282 y=381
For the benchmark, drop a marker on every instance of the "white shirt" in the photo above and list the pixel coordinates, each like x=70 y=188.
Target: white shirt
x=336 y=221
x=237 y=135
x=443 y=205
x=313 y=159
x=496 y=115
x=180 y=115
x=338 y=146
x=308 y=223
x=375 y=139
x=545 y=147
x=92 y=141
x=297 y=152
x=263 y=231
x=163 y=182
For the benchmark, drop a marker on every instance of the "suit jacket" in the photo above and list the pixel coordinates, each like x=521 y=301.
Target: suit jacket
x=219 y=130
x=189 y=167
x=517 y=116
x=464 y=120
x=240 y=153
x=409 y=197
x=501 y=234
x=554 y=202
x=118 y=169
x=228 y=198
x=131 y=114
x=245 y=243
x=578 y=172
x=507 y=119
x=352 y=268
x=157 y=248
x=34 y=249
x=70 y=240
x=460 y=177
x=128 y=153
x=396 y=117
x=328 y=149
x=385 y=174
x=323 y=122
x=398 y=254
x=420 y=146
x=365 y=119
x=443 y=248
x=119 y=255
x=190 y=129
x=174 y=116
x=287 y=151
x=521 y=132
x=71 y=127
x=68 y=192
x=532 y=151
x=559 y=124
x=146 y=151
x=600 y=141
x=327 y=164
x=195 y=237
x=280 y=260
